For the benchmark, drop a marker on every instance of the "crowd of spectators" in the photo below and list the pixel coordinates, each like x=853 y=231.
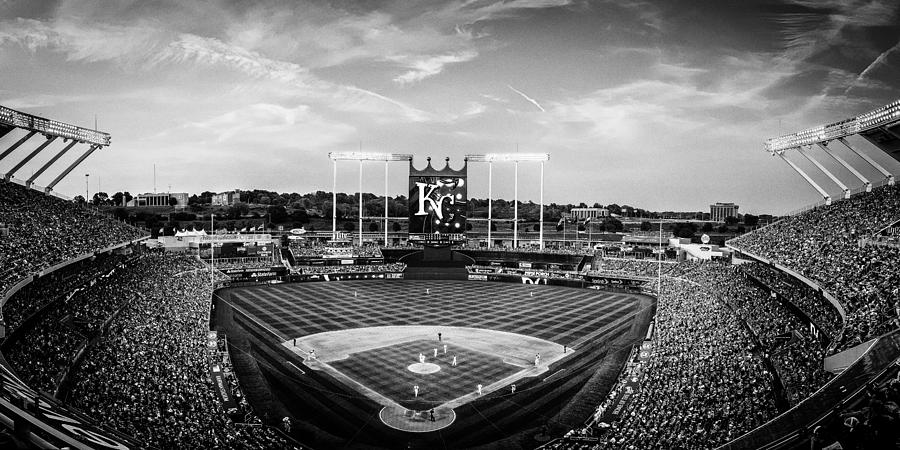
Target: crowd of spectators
x=56 y=285
x=44 y=230
x=532 y=250
x=311 y=250
x=244 y=263
x=823 y=244
x=703 y=385
x=641 y=267
x=149 y=375
x=353 y=268
x=43 y=352
x=784 y=337
x=817 y=308
x=706 y=382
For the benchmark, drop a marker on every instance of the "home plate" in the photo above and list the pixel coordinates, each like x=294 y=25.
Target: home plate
x=424 y=368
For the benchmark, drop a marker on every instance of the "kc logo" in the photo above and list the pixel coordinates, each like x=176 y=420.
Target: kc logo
x=425 y=192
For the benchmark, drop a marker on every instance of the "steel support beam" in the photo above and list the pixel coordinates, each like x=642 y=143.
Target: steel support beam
x=385 y=203
x=31 y=155
x=541 y=237
x=49 y=163
x=516 y=209
x=360 y=204
x=17 y=144
x=808 y=179
x=888 y=131
x=490 y=202
x=887 y=175
x=866 y=182
x=836 y=180
x=334 y=203
x=71 y=167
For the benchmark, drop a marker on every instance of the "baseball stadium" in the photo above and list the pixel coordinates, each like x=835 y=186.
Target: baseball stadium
x=453 y=305
x=434 y=338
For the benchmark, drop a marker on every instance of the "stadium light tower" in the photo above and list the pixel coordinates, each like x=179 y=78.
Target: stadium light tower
x=490 y=158
x=362 y=156
x=52 y=130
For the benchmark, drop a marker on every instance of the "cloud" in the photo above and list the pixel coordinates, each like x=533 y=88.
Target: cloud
x=265 y=126
x=529 y=99
x=430 y=66
x=145 y=49
x=880 y=60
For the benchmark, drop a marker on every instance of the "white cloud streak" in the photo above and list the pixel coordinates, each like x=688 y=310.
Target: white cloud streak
x=526 y=97
x=880 y=60
x=431 y=66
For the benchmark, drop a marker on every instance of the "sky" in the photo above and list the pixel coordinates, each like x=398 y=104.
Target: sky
x=663 y=105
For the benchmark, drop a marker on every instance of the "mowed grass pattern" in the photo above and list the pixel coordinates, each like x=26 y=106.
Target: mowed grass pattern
x=384 y=370
x=568 y=316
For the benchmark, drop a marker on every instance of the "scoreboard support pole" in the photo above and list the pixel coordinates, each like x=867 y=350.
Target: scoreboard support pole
x=334 y=203
x=362 y=156
x=385 y=203
x=515 y=158
x=541 y=235
x=516 y=206
x=490 y=201
x=360 y=204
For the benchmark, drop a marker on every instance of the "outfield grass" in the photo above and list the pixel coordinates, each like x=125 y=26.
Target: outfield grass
x=332 y=413
x=567 y=316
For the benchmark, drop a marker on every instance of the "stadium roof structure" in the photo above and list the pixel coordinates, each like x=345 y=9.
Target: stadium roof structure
x=881 y=120
x=11 y=119
x=48 y=127
x=881 y=127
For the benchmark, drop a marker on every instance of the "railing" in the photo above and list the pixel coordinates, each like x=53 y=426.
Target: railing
x=815 y=286
x=51 y=127
x=861 y=189
x=40 y=189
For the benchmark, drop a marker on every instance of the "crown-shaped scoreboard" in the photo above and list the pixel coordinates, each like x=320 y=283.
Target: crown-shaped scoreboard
x=437 y=202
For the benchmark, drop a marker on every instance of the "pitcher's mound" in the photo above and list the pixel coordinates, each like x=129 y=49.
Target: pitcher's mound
x=424 y=368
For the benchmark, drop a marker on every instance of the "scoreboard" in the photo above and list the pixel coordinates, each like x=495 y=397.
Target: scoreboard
x=437 y=200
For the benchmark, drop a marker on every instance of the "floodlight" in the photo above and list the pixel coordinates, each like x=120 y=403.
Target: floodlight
x=369 y=156
x=51 y=128
x=494 y=157
x=880 y=117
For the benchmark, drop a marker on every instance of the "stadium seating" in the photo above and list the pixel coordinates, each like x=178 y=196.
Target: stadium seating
x=144 y=369
x=355 y=268
x=45 y=230
x=120 y=336
x=823 y=244
x=717 y=362
x=704 y=383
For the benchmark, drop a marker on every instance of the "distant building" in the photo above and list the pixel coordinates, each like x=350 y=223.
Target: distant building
x=226 y=198
x=589 y=213
x=160 y=199
x=719 y=211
